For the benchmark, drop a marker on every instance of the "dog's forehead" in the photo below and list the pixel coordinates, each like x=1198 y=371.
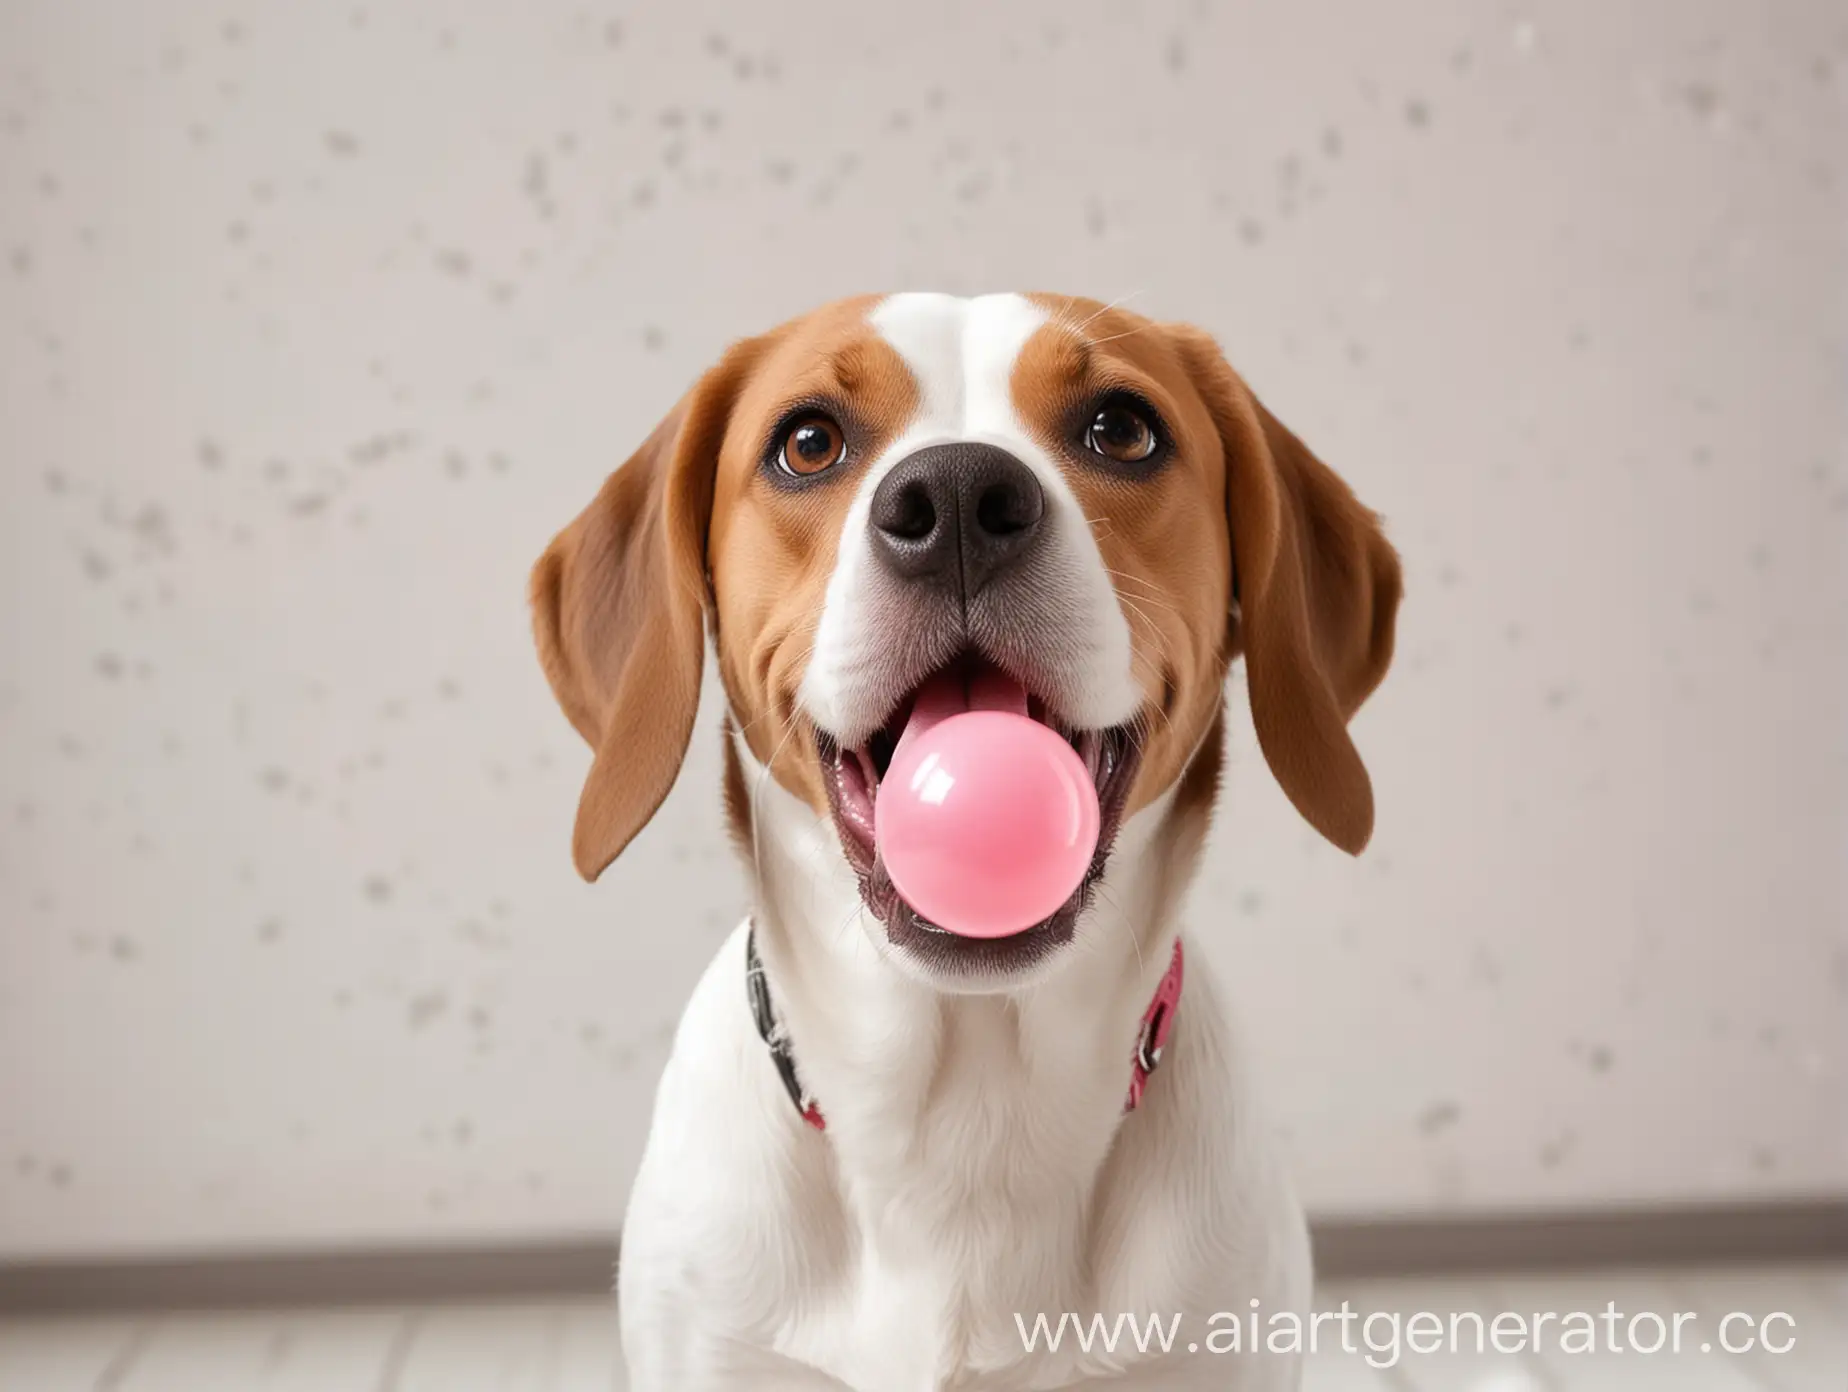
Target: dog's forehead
x=954 y=366
x=961 y=353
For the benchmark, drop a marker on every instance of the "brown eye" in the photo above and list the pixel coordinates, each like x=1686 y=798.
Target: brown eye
x=813 y=443
x=1121 y=433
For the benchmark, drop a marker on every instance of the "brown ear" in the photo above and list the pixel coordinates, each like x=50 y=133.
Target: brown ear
x=1316 y=587
x=619 y=601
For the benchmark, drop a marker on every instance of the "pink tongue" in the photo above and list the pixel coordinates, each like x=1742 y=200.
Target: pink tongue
x=952 y=693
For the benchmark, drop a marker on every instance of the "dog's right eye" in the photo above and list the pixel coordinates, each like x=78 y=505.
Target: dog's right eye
x=811 y=444
x=1122 y=433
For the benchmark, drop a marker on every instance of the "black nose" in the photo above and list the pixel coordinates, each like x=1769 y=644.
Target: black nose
x=956 y=515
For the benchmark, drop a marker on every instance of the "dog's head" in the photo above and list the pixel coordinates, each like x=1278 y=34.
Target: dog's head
x=1070 y=500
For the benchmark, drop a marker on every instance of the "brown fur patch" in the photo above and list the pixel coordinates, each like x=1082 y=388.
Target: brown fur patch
x=1318 y=587
x=1190 y=816
x=1198 y=789
x=772 y=546
x=738 y=820
x=1163 y=537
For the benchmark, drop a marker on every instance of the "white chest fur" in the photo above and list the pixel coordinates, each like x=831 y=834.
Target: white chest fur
x=976 y=1171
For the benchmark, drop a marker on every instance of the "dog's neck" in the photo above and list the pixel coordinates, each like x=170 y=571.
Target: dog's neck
x=960 y=1116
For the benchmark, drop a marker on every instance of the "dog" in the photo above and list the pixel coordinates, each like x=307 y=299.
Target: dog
x=880 y=1152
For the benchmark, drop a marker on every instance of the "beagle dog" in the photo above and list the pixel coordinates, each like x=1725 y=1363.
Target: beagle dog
x=881 y=1153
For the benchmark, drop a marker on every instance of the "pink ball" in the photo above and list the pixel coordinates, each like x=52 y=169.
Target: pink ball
x=987 y=822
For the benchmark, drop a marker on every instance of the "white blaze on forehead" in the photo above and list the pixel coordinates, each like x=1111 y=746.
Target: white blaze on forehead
x=961 y=354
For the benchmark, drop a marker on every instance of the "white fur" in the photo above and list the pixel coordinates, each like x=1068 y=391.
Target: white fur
x=976 y=1163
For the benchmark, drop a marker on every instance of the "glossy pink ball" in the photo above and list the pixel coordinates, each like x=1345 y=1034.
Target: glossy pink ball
x=987 y=822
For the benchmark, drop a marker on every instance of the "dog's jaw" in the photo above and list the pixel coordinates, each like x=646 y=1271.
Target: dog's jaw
x=964 y=964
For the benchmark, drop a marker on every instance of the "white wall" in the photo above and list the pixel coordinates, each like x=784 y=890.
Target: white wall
x=317 y=320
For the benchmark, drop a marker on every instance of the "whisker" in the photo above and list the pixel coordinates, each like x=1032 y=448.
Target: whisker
x=757 y=845
x=1120 y=300
x=1130 y=605
x=1158 y=598
x=1141 y=598
x=1167 y=720
x=1135 y=939
x=1140 y=730
x=1133 y=604
x=807 y=652
x=1143 y=581
x=1127 y=333
x=884 y=949
x=1134 y=611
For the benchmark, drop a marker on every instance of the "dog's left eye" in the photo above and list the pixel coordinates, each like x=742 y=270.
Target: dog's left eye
x=812 y=444
x=1122 y=433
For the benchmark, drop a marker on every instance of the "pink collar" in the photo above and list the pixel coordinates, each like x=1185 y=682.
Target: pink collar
x=1157 y=1024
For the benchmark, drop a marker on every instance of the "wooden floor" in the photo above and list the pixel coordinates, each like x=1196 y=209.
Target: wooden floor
x=570 y=1346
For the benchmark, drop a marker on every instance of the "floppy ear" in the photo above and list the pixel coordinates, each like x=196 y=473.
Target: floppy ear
x=1316 y=589
x=619 y=602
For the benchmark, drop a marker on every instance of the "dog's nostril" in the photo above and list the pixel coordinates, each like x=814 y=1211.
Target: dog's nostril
x=1005 y=508
x=911 y=515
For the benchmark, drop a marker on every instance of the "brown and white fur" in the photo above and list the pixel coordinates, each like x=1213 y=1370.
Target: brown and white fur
x=977 y=1163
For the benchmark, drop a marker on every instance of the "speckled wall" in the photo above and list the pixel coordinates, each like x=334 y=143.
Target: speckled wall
x=317 y=320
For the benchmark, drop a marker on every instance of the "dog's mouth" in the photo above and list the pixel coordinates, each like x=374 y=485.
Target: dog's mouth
x=852 y=776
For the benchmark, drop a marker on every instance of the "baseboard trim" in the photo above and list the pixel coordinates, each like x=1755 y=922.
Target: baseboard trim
x=1412 y=1245
x=1797 y=1231
x=412 y=1275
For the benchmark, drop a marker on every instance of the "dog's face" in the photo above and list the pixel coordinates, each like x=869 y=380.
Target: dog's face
x=1073 y=504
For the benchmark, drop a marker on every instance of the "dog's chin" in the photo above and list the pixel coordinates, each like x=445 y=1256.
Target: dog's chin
x=925 y=951
x=972 y=966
